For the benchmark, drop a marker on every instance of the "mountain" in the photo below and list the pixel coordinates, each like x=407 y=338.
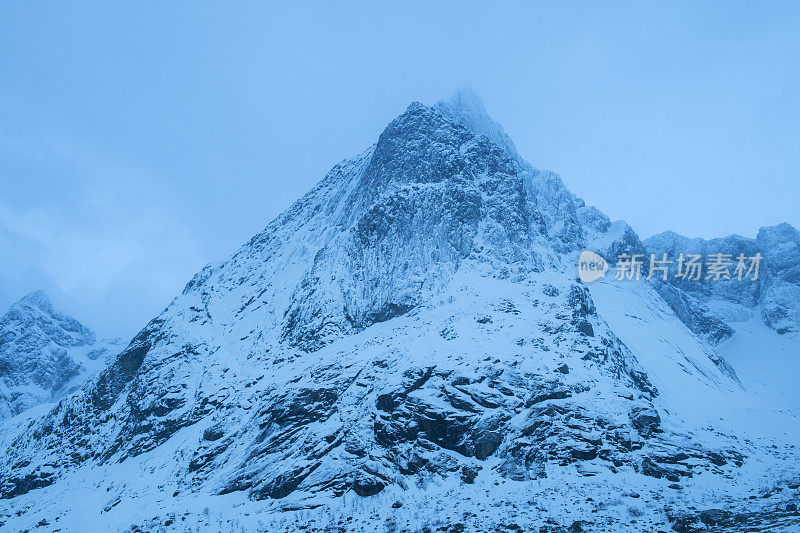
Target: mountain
x=44 y=354
x=408 y=347
x=708 y=306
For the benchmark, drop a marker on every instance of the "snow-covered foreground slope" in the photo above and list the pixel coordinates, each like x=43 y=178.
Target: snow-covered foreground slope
x=517 y=424
x=680 y=364
x=406 y=347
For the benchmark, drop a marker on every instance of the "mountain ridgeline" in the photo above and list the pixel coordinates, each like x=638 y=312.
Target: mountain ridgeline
x=413 y=321
x=707 y=305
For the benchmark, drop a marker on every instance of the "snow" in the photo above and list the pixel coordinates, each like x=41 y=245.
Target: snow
x=408 y=346
x=45 y=355
x=768 y=363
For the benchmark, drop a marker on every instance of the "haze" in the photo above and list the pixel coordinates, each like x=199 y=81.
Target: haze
x=140 y=141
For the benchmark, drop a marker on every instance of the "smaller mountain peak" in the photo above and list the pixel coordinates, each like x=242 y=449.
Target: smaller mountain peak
x=35 y=312
x=667 y=235
x=783 y=227
x=778 y=237
x=414 y=106
x=37 y=299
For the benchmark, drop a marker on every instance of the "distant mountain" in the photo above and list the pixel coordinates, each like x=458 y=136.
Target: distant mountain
x=44 y=354
x=708 y=306
x=408 y=347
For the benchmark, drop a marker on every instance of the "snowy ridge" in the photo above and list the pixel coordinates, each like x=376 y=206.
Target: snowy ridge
x=410 y=331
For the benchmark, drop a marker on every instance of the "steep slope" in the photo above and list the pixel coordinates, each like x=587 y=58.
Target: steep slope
x=44 y=354
x=412 y=328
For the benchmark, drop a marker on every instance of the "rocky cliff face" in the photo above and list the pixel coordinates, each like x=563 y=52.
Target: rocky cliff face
x=413 y=322
x=43 y=354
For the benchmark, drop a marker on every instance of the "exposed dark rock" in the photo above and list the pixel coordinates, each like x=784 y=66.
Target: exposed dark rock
x=646 y=420
x=468 y=474
x=213 y=433
x=653 y=469
x=712 y=517
x=368 y=486
x=486 y=444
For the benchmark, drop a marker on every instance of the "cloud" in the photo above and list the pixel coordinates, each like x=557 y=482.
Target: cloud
x=99 y=231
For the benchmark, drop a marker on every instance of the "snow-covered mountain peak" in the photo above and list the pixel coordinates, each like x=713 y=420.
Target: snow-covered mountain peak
x=38 y=299
x=413 y=321
x=44 y=354
x=466 y=108
x=34 y=318
x=775 y=294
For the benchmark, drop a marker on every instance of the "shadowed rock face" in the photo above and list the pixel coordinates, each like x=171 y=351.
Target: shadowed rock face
x=432 y=195
x=414 y=317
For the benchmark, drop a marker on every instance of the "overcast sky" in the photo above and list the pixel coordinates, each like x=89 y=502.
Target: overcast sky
x=140 y=141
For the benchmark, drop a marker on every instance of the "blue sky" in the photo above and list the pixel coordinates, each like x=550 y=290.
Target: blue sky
x=139 y=141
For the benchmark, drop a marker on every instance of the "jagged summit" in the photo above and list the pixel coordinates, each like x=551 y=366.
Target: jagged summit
x=411 y=328
x=466 y=108
x=775 y=295
x=33 y=316
x=38 y=299
x=784 y=229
